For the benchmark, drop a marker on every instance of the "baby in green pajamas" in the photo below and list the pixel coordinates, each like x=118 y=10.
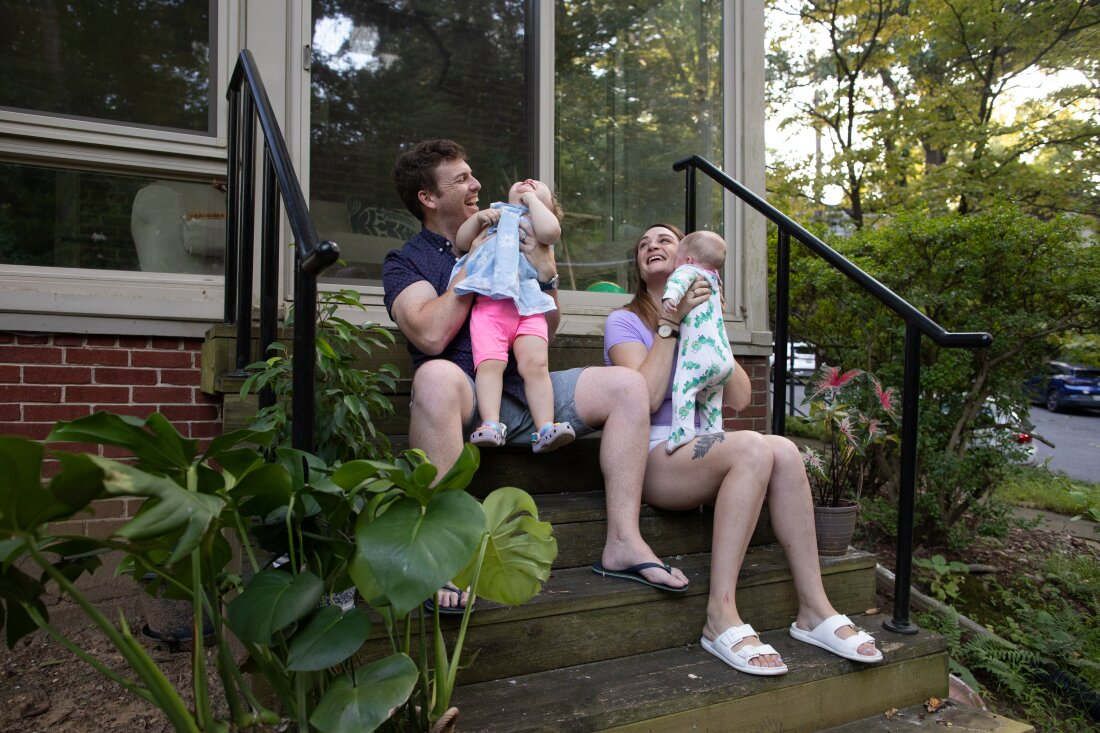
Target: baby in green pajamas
x=704 y=359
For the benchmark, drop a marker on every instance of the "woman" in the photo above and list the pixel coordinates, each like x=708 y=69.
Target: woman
x=732 y=471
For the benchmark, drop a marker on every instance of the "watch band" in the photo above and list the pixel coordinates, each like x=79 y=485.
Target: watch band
x=551 y=284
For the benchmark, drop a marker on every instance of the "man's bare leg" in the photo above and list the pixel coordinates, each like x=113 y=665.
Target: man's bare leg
x=441 y=406
x=617 y=399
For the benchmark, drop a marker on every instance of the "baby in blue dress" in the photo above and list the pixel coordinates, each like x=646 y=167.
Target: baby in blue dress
x=510 y=311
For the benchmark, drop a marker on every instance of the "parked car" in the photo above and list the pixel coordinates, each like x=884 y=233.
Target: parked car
x=1066 y=385
x=805 y=361
x=1006 y=431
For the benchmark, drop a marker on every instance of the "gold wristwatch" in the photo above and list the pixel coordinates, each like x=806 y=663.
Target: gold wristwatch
x=664 y=330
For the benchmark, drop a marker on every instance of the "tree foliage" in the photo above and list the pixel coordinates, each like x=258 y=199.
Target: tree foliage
x=1001 y=270
x=924 y=102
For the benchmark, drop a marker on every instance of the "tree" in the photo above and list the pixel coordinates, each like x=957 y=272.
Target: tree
x=1000 y=270
x=920 y=102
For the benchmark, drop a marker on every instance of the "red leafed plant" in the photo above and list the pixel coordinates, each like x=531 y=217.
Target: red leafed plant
x=852 y=411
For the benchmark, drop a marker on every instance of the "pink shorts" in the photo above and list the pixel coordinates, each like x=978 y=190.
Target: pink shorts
x=495 y=324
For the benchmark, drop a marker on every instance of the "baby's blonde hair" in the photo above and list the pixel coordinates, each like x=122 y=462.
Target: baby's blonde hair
x=706 y=248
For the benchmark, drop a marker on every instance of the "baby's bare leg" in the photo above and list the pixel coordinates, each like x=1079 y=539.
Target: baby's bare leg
x=531 y=358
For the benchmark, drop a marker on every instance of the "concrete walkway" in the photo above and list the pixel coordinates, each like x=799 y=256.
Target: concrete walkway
x=1052 y=522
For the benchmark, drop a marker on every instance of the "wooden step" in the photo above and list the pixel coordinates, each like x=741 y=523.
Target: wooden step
x=580 y=527
x=568 y=622
x=957 y=717
x=686 y=689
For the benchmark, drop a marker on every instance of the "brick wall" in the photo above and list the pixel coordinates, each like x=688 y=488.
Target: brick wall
x=755 y=416
x=49 y=377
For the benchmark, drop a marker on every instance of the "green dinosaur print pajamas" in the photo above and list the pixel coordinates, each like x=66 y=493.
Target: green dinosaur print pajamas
x=704 y=359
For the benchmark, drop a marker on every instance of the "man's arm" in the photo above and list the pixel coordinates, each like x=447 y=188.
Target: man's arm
x=428 y=320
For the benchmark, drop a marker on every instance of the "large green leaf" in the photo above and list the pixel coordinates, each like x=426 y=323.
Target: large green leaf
x=519 y=552
x=18 y=591
x=413 y=550
x=330 y=637
x=153 y=441
x=24 y=503
x=171 y=506
x=361 y=701
x=272 y=600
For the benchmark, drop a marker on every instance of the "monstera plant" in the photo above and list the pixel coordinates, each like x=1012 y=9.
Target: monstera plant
x=194 y=501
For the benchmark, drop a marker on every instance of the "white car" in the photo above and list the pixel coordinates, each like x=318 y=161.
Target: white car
x=804 y=364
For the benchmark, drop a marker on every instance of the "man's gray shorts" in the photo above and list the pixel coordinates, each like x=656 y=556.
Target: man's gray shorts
x=518 y=418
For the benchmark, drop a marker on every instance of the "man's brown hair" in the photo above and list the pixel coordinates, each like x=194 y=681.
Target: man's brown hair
x=415 y=171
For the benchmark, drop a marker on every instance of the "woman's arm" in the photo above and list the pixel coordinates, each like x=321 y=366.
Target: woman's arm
x=738 y=390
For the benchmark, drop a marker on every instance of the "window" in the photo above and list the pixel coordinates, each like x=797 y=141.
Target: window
x=638 y=87
x=386 y=75
x=138 y=62
x=111 y=104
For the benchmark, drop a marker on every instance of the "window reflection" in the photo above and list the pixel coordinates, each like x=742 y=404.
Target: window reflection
x=638 y=86
x=66 y=218
x=141 y=62
x=389 y=73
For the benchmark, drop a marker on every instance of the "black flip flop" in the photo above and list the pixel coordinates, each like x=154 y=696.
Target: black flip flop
x=429 y=605
x=633 y=573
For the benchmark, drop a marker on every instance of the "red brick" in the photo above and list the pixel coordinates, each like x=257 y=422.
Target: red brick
x=57 y=375
x=7 y=337
x=94 y=394
x=70 y=528
x=204 y=429
x=133 y=342
x=32 y=430
x=141 y=411
x=73 y=448
x=163 y=395
x=10 y=373
x=11 y=412
x=169 y=359
x=105 y=509
x=103 y=341
x=189 y=377
x=104 y=375
x=165 y=343
x=30 y=355
x=110 y=451
x=104 y=527
x=190 y=413
x=106 y=357
x=32 y=338
x=23 y=393
x=63 y=339
x=39 y=413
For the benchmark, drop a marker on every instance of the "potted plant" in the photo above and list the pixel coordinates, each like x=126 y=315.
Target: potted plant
x=308 y=654
x=853 y=415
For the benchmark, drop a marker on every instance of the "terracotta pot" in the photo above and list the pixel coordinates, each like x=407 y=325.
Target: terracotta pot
x=835 y=526
x=446 y=723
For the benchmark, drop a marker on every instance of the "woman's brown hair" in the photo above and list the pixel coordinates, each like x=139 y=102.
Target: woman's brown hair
x=642 y=305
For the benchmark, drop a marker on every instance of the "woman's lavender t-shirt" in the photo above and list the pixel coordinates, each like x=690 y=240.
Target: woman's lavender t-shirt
x=624 y=327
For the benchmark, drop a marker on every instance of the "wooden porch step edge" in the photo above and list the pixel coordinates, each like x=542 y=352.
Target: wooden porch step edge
x=571 y=590
x=956 y=716
x=687 y=689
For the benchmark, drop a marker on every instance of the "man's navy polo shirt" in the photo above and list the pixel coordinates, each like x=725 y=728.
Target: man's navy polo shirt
x=429 y=256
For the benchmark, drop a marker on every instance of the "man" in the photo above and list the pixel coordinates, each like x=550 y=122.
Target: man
x=437 y=185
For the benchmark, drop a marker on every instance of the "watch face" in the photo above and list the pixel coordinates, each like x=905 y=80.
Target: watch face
x=664 y=330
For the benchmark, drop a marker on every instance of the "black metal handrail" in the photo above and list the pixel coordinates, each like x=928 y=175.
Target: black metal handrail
x=248 y=104
x=916 y=324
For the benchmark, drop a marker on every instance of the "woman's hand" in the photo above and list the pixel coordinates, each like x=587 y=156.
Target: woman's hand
x=697 y=294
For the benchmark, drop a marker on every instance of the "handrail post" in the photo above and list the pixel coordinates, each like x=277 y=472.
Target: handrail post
x=782 y=316
x=269 y=270
x=233 y=227
x=903 y=562
x=245 y=203
x=689 y=195
x=305 y=323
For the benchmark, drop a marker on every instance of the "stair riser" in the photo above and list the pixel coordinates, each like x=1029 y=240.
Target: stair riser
x=512 y=642
x=807 y=708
